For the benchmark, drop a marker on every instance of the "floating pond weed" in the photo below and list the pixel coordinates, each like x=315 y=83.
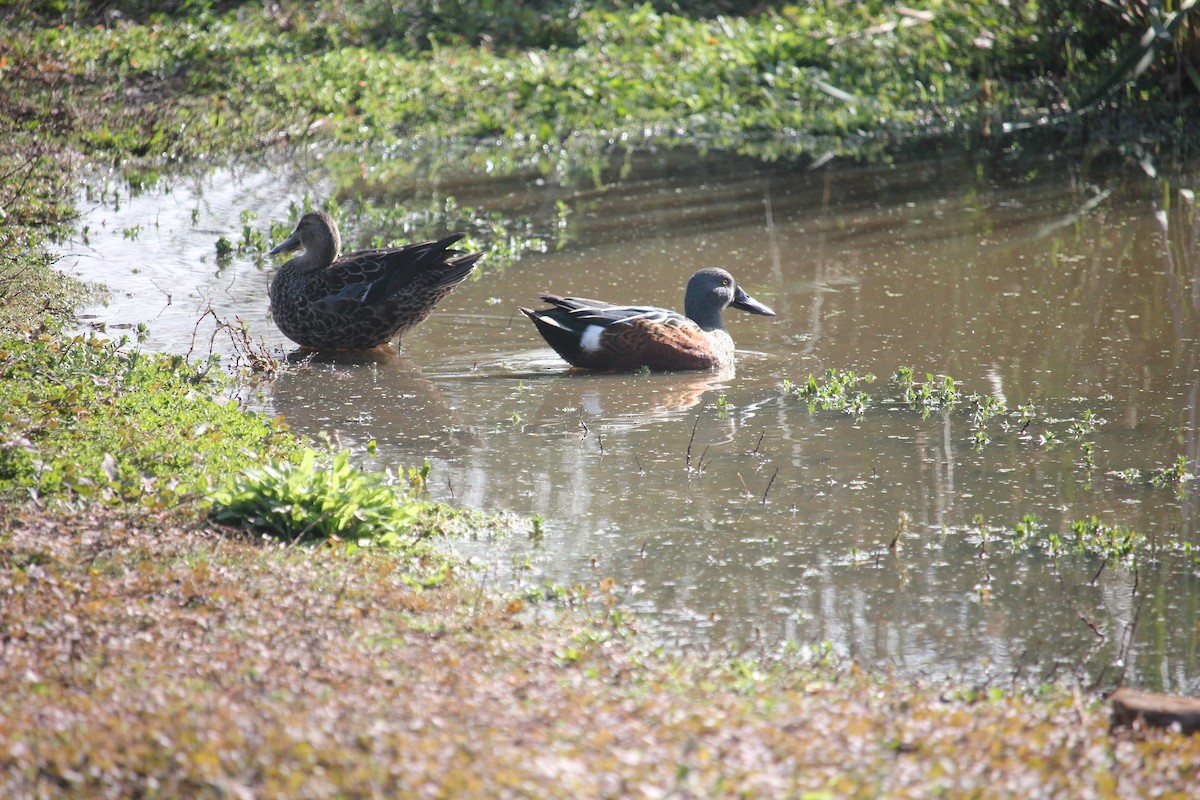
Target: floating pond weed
x=1108 y=541
x=835 y=393
x=990 y=416
x=1173 y=475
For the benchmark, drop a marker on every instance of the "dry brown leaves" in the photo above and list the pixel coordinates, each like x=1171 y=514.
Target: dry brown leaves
x=138 y=658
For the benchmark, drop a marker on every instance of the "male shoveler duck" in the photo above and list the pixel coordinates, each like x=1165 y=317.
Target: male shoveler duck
x=363 y=299
x=601 y=336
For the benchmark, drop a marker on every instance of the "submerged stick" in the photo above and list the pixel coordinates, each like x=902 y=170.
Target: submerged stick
x=691 y=440
x=769 y=484
x=901 y=527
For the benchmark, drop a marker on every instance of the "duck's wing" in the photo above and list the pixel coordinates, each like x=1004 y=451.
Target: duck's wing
x=582 y=312
x=427 y=267
x=372 y=277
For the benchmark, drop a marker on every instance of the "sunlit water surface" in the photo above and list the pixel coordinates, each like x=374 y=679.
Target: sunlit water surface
x=727 y=512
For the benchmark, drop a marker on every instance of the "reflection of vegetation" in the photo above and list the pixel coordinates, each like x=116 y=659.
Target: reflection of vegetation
x=372 y=224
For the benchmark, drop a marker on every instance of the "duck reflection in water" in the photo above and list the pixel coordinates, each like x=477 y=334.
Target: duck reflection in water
x=620 y=402
x=377 y=394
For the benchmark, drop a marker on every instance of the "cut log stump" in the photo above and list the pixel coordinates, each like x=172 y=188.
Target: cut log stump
x=1156 y=710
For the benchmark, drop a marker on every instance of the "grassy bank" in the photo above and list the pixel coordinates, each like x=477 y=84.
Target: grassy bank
x=143 y=660
x=146 y=649
x=538 y=79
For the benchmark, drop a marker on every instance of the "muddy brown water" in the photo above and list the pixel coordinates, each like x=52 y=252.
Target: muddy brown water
x=1068 y=282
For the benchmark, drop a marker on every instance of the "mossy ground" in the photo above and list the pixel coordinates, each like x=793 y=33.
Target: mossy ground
x=145 y=651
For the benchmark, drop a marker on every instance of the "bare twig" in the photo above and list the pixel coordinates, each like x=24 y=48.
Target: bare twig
x=692 y=439
x=769 y=484
x=901 y=527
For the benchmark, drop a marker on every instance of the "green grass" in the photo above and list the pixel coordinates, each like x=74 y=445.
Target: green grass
x=85 y=418
x=565 y=76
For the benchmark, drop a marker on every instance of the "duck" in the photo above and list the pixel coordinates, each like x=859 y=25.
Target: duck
x=599 y=336
x=361 y=300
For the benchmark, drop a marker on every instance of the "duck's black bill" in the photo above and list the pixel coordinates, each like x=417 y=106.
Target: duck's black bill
x=747 y=303
x=288 y=244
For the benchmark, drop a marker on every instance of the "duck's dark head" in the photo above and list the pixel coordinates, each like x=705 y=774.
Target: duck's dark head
x=711 y=291
x=317 y=234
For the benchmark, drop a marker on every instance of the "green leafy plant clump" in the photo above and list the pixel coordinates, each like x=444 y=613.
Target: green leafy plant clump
x=310 y=501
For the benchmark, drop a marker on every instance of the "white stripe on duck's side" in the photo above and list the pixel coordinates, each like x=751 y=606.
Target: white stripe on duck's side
x=590 y=340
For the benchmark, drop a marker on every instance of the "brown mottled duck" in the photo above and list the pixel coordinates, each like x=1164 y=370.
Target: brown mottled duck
x=364 y=299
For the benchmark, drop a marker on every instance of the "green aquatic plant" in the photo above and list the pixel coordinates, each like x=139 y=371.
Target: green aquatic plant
x=990 y=416
x=1129 y=475
x=316 y=501
x=835 y=393
x=1089 y=455
x=984 y=408
x=1026 y=530
x=1110 y=541
x=1174 y=475
x=934 y=393
x=1084 y=537
x=1084 y=426
x=722 y=406
x=418 y=477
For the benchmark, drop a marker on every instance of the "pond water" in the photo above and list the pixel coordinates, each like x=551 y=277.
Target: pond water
x=727 y=511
